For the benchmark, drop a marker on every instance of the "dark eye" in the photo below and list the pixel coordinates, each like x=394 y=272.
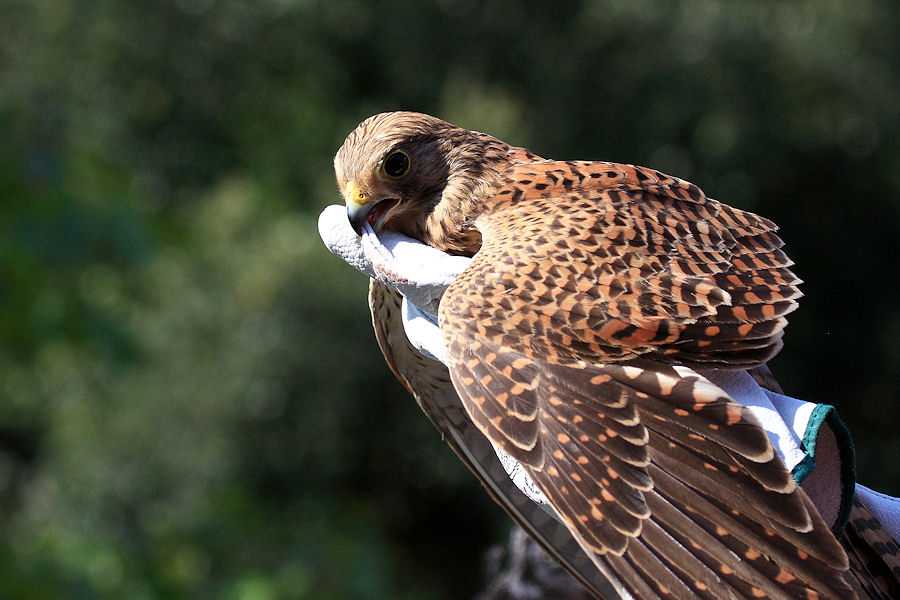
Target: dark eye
x=396 y=165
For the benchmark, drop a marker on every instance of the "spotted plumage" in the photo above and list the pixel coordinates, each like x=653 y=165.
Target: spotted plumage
x=596 y=292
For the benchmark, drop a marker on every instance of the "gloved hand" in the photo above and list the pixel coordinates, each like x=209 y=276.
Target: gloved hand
x=811 y=440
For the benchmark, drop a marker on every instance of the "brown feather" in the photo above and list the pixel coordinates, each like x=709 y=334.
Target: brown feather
x=429 y=382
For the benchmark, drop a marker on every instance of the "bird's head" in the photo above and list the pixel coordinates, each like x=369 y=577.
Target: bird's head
x=395 y=168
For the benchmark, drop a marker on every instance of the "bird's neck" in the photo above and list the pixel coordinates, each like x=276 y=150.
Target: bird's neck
x=477 y=166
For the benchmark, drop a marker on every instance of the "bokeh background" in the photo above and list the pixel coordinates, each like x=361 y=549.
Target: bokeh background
x=192 y=404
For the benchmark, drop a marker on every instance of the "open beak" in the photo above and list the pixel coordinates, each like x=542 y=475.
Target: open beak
x=361 y=208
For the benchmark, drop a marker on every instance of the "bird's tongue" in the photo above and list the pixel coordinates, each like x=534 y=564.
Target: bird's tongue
x=376 y=216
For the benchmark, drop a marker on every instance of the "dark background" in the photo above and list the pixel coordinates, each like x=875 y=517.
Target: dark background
x=192 y=404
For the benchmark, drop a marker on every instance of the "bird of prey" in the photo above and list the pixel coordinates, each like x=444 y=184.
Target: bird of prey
x=574 y=341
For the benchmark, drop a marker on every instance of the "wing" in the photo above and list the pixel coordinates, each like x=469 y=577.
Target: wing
x=429 y=382
x=571 y=339
x=618 y=261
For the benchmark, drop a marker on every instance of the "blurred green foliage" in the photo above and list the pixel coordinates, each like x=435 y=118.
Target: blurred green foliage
x=191 y=400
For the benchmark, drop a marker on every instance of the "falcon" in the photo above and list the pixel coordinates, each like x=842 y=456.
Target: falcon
x=576 y=340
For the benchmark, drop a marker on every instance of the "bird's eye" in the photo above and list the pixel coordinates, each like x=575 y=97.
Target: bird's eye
x=396 y=165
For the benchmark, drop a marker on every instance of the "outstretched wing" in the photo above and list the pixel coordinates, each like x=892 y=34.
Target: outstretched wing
x=571 y=340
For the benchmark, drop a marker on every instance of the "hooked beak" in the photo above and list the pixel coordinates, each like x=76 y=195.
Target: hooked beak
x=361 y=208
x=357 y=214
